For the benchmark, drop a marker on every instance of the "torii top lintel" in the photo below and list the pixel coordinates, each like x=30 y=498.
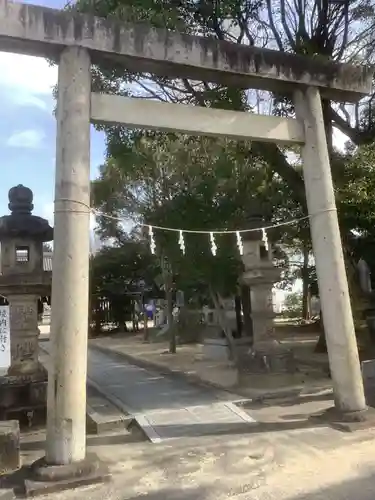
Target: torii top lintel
x=42 y=31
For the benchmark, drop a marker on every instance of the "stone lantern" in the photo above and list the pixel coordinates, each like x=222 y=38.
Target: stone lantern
x=23 y=281
x=260 y=274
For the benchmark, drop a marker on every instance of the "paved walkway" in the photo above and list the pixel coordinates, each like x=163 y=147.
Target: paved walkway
x=190 y=360
x=143 y=390
x=166 y=407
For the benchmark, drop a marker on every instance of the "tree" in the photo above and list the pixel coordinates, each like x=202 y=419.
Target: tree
x=120 y=274
x=168 y=180
x=315 y=28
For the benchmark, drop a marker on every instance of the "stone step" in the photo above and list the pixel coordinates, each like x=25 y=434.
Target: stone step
x=102 y=416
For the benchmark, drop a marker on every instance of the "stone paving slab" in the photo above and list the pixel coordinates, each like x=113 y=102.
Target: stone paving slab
x=193 y=421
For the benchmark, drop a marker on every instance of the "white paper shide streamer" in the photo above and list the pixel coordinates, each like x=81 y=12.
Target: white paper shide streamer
x=239 y=242
x=152 y=240
x=181 y=242
x=238 y=233
x=213 y=244
x=265 y=238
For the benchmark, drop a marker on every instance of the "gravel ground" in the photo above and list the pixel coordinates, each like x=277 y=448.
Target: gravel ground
x=310 y=463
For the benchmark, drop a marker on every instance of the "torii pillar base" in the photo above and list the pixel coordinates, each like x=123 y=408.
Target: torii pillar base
x=346 y=421
x=44 y=478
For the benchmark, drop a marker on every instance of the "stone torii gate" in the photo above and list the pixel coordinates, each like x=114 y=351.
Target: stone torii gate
x=78 y=41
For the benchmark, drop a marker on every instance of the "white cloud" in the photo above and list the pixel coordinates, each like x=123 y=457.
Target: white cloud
x=46 y=212
x=32 y=74
x=27 y=80
x=30 y=139
x=25 y=99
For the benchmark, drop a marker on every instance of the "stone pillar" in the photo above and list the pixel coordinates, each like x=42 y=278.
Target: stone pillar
x=260 y=275
x=266 y=354
x=330 y=267
x=66 y=417
x=24 y=334
x=262 y=315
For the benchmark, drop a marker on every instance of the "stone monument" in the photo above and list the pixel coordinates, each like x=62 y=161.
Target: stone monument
x=22 y=282
x=265 y=354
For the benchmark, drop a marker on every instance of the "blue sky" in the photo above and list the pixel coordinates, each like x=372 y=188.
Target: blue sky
x=28 y=128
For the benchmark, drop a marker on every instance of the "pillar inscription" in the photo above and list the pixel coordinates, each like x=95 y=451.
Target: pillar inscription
x=24 y=333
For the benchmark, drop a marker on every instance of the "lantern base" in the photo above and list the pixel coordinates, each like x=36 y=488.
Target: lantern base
x=267 y=357
x=23 y=395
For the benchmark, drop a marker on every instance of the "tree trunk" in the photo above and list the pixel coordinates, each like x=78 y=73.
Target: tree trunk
x=321 y=346
x=95 y=314
x=134 y=318
x=326 y=108
x=171 y=326
x=145 y=327
x=122 y=326
x=246 y=309
x=224 y=325
x=145 y=321
x=306 y=309
x=168 y=280
x=237 y=305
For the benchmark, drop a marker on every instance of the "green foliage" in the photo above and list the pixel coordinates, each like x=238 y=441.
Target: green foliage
x=123 y=270
x=356 y=198
x=293 y=305
x=191 y=183
x=119 y=275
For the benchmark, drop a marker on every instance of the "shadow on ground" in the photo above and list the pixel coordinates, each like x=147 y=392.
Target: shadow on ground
x=358 y=489
x=12 y=486
x=287 y=401
x=172 y=494
x=202 y=430
x=288 y=422
x=135 y=436
x=13 y=483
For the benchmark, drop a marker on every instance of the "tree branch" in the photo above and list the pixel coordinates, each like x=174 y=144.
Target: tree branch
x=277 y=161
x=285 y=25
x=273 y=27
x=358 y=137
